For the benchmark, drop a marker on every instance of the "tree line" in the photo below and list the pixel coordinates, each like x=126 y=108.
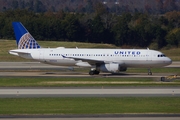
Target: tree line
x=87 y=6
x=137 y=30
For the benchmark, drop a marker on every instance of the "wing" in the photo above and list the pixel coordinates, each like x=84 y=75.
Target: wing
x=90 y=61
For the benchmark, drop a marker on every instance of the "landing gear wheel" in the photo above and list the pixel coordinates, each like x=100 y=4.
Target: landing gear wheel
x=91 y=72
x=149 y=72
x=95 y=72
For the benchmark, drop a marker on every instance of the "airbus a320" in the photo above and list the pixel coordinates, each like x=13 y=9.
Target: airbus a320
x=99 y=60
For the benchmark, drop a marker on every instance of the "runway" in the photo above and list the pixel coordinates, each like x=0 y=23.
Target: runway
x=38 y=65
x=37 y=69
x=27 y=65
x=81 y=92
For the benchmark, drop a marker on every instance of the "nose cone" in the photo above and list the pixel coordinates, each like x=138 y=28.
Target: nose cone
x=168 y=61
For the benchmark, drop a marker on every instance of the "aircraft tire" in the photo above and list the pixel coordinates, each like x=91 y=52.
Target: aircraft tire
x=91 y=72
x=150 y=73
x=96 y=72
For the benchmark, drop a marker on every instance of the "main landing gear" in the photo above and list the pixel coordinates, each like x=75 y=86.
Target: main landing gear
x=93 y=72
x=149 y=72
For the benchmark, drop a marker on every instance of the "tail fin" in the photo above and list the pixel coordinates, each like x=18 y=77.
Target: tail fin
x=24 y=39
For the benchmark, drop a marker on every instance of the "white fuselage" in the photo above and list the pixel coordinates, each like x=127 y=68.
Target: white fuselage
x=86 y=57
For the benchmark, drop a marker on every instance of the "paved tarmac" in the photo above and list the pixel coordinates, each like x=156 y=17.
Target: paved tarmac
x=81 y=92
x=41 y=70
x=81 y=74
x=27 y=65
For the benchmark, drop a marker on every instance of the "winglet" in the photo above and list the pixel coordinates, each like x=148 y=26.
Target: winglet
x=24 y=39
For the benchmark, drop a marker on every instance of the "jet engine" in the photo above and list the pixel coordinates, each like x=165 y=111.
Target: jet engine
x=112 y=67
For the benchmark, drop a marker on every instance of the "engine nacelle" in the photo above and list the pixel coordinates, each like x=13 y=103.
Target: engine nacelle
x=112 y=67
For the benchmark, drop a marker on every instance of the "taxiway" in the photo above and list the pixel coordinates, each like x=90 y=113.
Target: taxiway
x=38 y=65
x=91 y=92
x=37 y=69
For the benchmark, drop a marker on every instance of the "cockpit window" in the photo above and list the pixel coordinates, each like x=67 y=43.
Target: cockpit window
x=161 y=55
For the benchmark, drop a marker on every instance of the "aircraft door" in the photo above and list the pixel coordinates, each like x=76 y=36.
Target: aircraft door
x=149 y=56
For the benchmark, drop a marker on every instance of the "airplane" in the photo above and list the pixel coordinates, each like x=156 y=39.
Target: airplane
x=99 y=60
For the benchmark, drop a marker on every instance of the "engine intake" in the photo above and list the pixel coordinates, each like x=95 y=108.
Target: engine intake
x=112 y=67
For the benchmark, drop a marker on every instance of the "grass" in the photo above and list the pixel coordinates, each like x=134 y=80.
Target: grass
x=155 y=70
x=174 y=54
x=55 y=44
x=7 y=45
x=94 y=81
x=10 y=106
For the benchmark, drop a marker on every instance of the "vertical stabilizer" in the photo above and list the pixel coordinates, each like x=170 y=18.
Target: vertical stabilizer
x=24 y=39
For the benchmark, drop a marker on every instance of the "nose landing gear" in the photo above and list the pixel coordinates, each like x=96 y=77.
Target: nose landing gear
x=94 y=72
x=149 y=72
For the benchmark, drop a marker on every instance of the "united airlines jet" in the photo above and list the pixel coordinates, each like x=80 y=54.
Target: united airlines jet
x=99 y=60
